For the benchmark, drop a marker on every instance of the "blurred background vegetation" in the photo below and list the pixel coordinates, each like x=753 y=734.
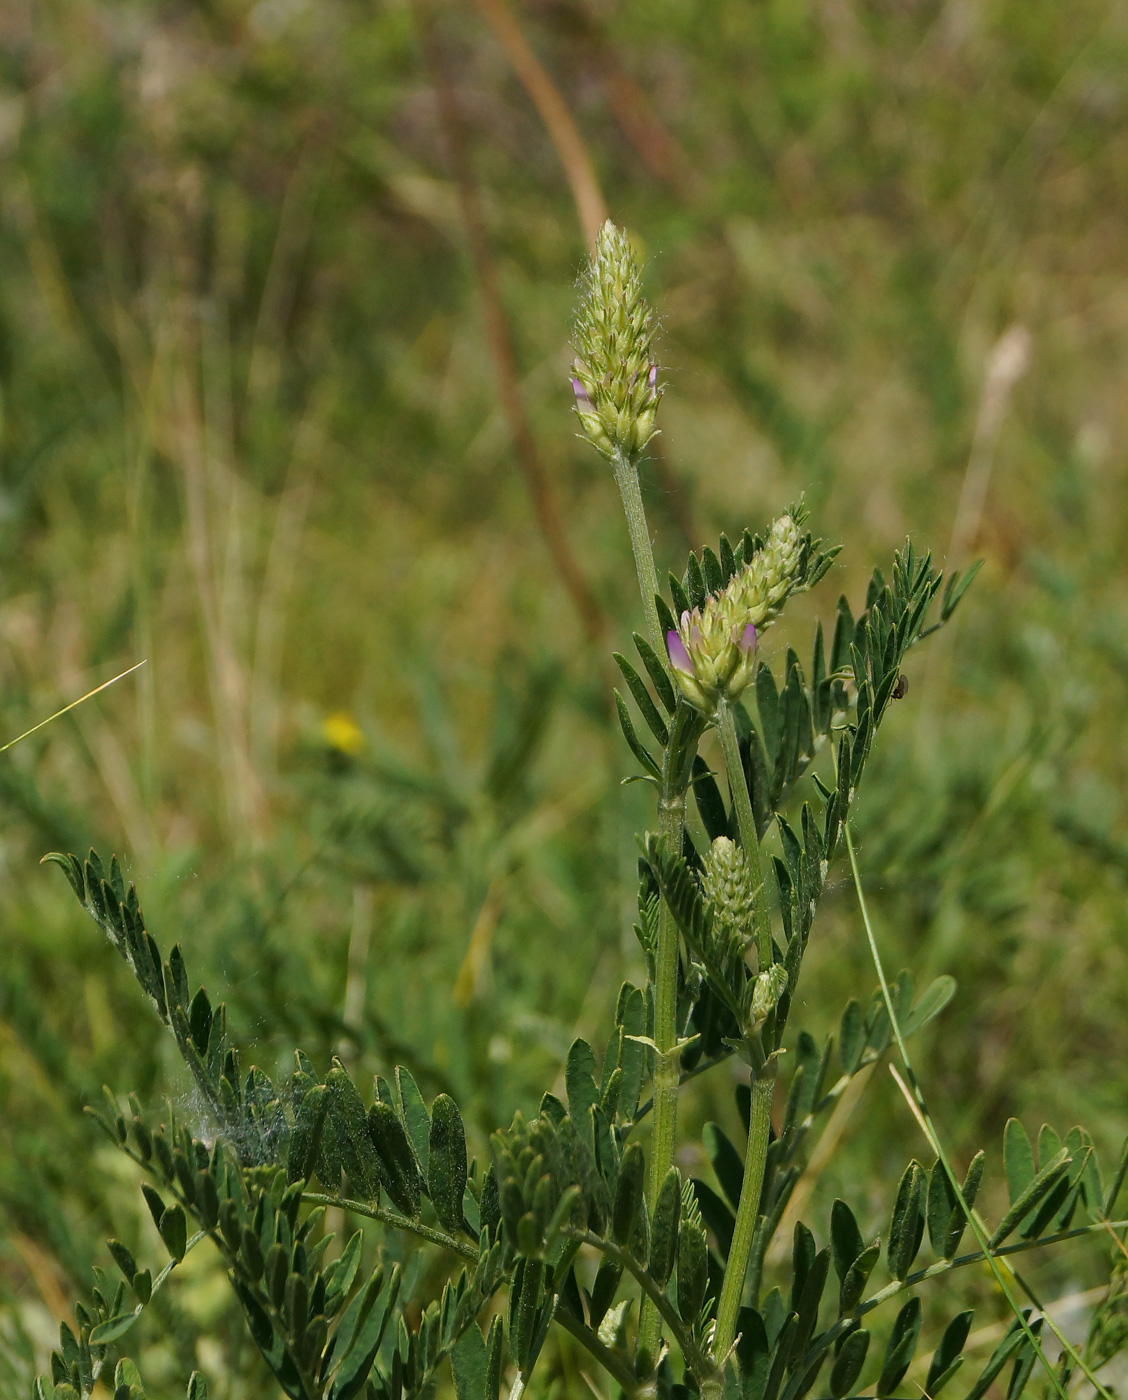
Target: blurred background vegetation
x=284 y=310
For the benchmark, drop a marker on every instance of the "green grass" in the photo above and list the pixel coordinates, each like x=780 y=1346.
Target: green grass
x=251 y=433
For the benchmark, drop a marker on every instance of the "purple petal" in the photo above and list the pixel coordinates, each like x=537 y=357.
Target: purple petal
x=581 y=394
x=654 y=376
x=679 y=657
x=747 y=643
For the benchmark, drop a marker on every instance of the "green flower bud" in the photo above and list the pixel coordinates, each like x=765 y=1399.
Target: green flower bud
x=770 y=986
x=726 y=882
x=712 y=652
x=615 y=379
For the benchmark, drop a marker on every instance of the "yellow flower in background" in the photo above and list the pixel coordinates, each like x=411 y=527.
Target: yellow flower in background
x=340 y=731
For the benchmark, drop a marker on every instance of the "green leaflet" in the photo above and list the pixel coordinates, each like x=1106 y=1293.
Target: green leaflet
x=415 y=1116
x=946 y=1359
x=900 y=1348
x=1038 y=1187
x=906 y=1228
x=845 y=1238
x=447 y=1173
x=664 y=1228
x=399 y=1171
x=628 y=1194
x=848 y=1363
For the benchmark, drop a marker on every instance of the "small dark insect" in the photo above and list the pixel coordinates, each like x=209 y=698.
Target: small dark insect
x=901 y=689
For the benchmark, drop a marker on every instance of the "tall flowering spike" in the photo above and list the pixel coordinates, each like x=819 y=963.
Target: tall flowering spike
x=712 y=653
x=615 y=379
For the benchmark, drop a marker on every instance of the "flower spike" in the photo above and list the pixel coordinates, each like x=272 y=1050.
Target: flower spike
x=615 y=379
x=712 y=652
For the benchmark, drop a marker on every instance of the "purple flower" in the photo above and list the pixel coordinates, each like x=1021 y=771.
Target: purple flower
x=653 y=376
x=582 y=399
x=679 y=657
x=747 y=643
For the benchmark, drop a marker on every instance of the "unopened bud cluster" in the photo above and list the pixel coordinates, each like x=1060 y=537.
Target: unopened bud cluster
x=726 y=883
x=770 y=986
x=712 y=652
x=615 y=379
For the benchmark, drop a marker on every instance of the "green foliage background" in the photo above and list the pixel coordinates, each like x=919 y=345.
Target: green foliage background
x=251 y=433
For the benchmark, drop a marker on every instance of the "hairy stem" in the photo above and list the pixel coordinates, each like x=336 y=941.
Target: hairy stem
x=612 y=1363
x=671 y=823
x=626 y=478
x=667 y=1070
x=759 y=1128
x=730 y=748
x=398 y=1222
x=697 y=1360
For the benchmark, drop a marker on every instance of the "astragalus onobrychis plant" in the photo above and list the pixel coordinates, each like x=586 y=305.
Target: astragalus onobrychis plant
x=580 y=1219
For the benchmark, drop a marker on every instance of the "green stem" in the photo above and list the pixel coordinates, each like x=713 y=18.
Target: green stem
x=671 y=823
x=732 y=1290
x=749 y=839
x=667 y=1060
x=695 y=1358
x=626 y=478
x=398 y=1222
x=611 y=1362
